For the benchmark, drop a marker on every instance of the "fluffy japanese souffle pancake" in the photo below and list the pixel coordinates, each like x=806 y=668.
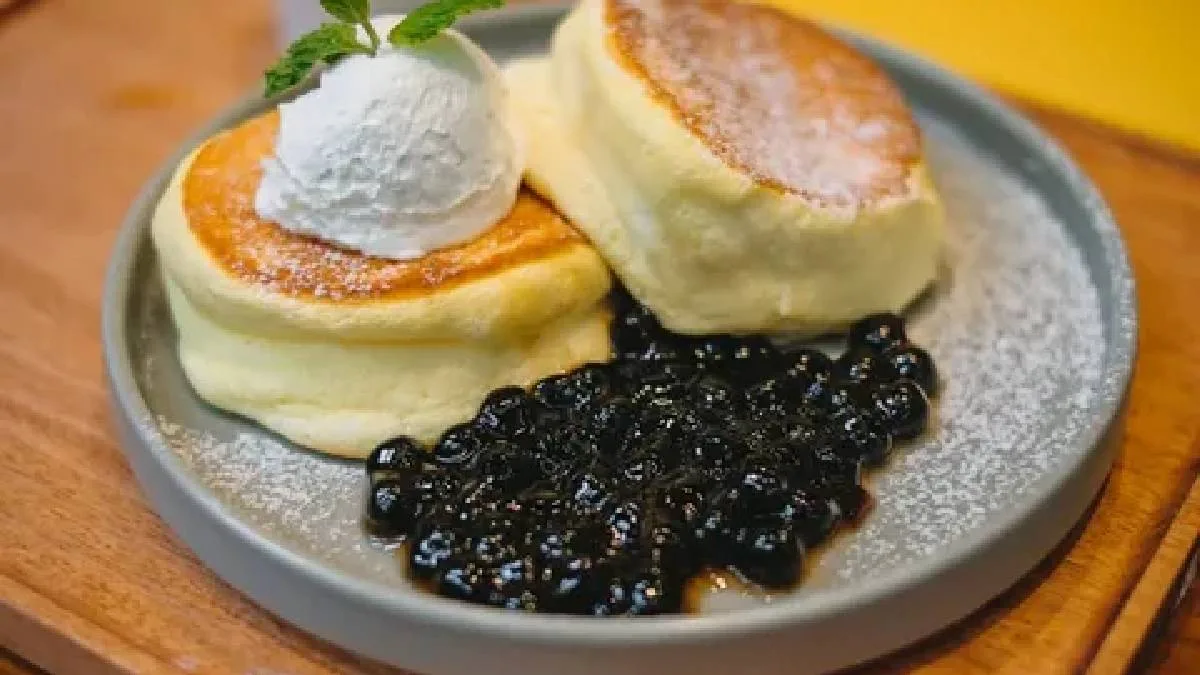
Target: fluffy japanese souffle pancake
x=740 y=169
x=338 y=350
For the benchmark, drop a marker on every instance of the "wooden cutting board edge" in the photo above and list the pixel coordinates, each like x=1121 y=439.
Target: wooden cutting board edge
x=1157 y=593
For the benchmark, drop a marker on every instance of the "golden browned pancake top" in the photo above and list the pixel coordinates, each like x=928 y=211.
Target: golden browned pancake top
x=772 y=95
x=218 y=200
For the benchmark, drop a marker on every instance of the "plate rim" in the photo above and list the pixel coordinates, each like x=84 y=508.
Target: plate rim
x=148 y=450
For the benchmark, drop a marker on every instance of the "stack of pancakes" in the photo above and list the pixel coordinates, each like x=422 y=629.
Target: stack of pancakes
x=739 y=169
x=338 y=351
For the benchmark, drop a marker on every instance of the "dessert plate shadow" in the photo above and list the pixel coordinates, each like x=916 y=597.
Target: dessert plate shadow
x=1033 y=326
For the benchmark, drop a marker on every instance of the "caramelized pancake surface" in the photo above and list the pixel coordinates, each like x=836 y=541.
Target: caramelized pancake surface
x=772 y=95
x=218 y=201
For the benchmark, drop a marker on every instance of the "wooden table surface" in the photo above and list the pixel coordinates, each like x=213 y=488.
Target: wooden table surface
x=98 y=93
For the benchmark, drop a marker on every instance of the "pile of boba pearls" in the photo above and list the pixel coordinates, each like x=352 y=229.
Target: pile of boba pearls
x=604 y=490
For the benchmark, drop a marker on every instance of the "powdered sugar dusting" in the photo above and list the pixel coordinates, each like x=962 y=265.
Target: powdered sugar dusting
x=309 y=503
x=774 y=96
x=1015 y=327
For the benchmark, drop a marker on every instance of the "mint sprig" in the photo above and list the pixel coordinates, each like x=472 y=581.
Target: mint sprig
x=426 y=21
x=335 y=41
x=327 y=44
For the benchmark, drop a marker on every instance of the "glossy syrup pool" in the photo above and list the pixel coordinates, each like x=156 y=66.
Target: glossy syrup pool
x=1014 y=324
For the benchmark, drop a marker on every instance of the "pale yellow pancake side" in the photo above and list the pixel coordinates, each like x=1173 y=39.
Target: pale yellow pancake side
x=345 y=398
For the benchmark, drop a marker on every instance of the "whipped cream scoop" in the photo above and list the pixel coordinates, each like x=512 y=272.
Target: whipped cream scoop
x=398 y=154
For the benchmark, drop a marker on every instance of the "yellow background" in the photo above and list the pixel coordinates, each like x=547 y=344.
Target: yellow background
x=1132 y=64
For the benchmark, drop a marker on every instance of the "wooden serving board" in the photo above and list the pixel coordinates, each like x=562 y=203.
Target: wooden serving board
x=96 y=94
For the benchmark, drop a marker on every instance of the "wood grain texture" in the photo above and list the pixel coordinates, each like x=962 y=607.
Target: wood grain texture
x=1148 y=601
x=1179 y=651
x=99 y=93
x=11 y=664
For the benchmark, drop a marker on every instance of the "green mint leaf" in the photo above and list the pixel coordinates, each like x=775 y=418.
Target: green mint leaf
x=357 y=12
x=327 y=44
x=426 y=21
x=350 y=11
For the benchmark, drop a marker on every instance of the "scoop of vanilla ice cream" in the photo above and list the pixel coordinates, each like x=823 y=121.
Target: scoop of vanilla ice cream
x=396 y=154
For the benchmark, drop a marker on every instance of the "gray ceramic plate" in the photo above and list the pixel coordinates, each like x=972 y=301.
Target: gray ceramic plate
x=1033 y=325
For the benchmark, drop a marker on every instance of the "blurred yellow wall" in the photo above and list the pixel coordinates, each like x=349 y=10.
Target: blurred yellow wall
x=1132 y=64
